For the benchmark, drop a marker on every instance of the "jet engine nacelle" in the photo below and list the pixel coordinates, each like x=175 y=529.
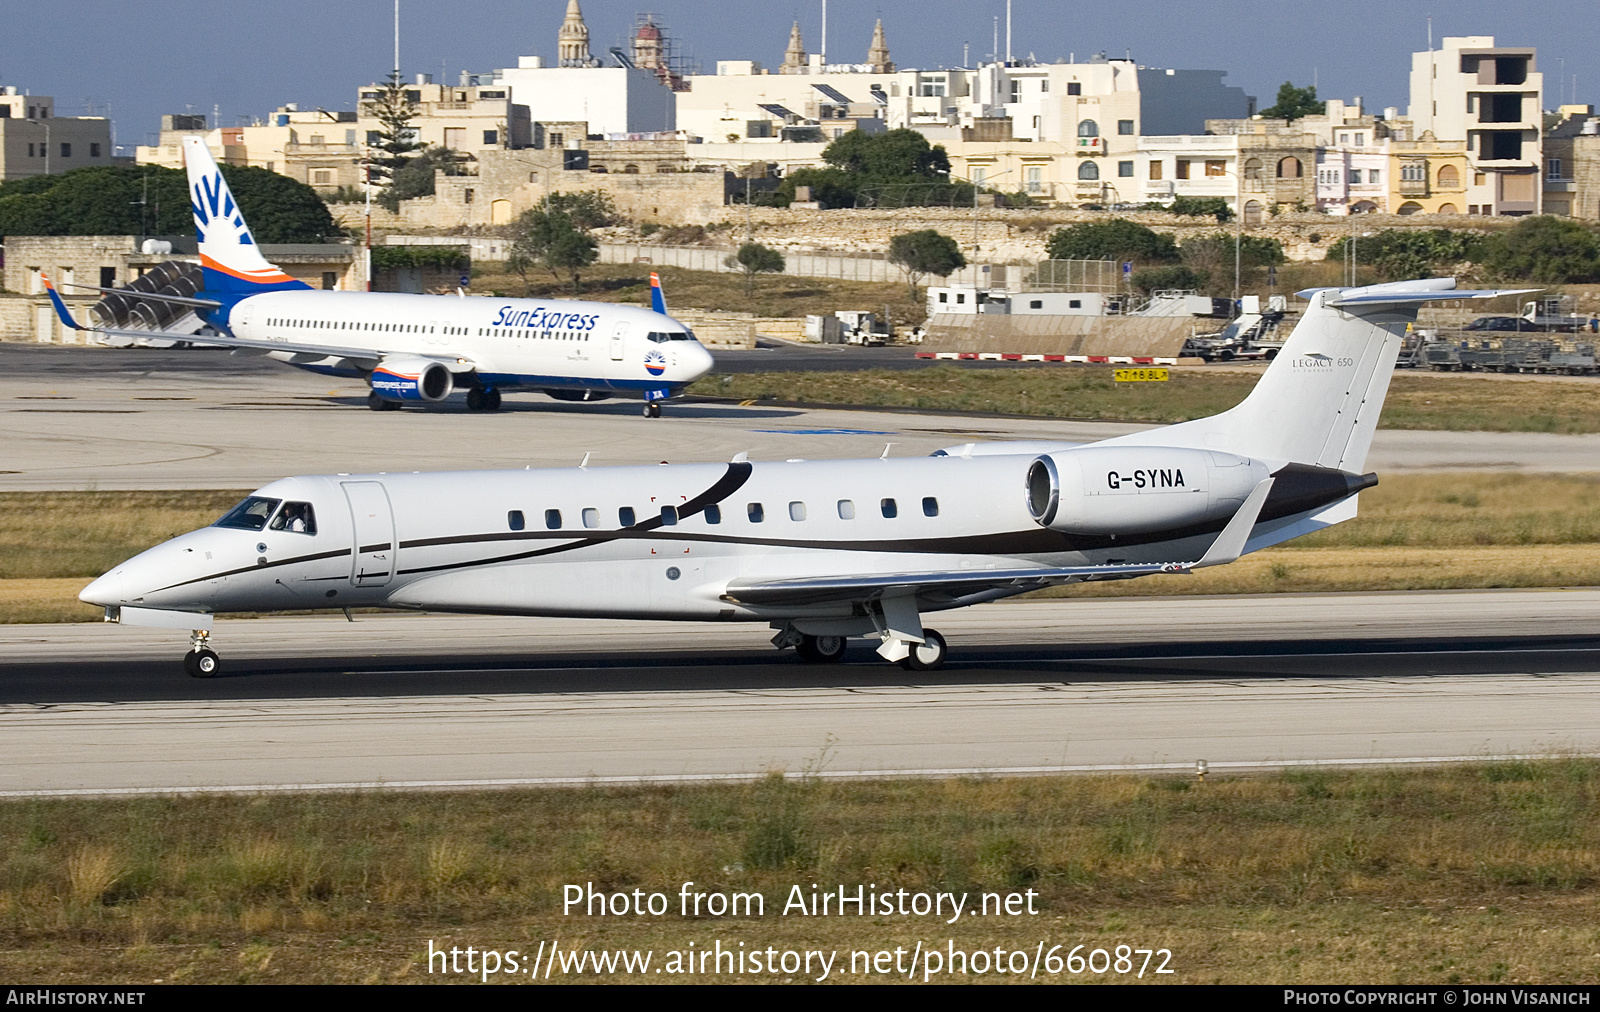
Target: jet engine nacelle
x=408 y=378
x=1123 y=490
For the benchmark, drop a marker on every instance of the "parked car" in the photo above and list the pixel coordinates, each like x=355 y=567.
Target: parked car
x=1502 y=323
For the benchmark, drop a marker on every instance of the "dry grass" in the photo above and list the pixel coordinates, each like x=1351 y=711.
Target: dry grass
x=1416 y=400
x=59 y=534
x=770 y=295
x=1475 y=874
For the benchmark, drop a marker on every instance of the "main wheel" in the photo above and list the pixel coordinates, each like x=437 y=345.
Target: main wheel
x=475 y=399
x=821 y=649
x=377 y=403
x=491 y=399
x=201 y=663
x=928 y=655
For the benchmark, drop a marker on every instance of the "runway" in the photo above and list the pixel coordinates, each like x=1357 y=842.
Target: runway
x=79 y=418
x=1032 y=687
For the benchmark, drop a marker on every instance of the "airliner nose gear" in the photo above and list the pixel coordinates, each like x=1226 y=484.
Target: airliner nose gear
x=201 y=661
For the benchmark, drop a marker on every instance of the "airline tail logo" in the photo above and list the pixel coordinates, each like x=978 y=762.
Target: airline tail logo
x=658 y=302
x=228 y=252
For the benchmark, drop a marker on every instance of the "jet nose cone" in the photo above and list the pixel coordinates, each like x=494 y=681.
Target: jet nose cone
x=105 y=592
x=700 y=363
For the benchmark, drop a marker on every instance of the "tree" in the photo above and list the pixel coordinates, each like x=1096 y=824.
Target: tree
x=754 y=258
x=416 y=177
x=1544 y=249
x=1169 y=278
x=551 y=235
x=1212 y=255
x=588 y=209
x=898 y=162
x=1195 y=207
x=1117 y=239
x=150 y=200
x=1403 y=254
x=394 y=109
x=925 y=252
x=1294 y=103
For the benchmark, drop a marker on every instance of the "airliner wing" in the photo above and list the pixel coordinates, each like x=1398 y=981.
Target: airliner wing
x=956 y=583
x=1227 y=547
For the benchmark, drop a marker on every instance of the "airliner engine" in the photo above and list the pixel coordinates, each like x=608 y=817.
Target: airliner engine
x=1119 y=490
x=409 y=378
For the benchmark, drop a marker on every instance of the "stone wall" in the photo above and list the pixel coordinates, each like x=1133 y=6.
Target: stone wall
x=1016 y=235
x=719 y=329
x=1132 y=336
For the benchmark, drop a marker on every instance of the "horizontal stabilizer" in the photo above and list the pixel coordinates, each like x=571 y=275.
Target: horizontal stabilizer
x=131 y=293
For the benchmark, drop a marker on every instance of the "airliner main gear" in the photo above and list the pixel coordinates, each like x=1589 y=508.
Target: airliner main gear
x=821 y=649
x=483 y=399
x=929 y=655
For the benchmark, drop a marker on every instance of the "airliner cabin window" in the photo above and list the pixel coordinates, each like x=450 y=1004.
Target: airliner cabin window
x=755 y=512
x=515 y=521
x=295 y=517
x=713 y=514
x=890 y=510
x=591 y=517
x=847 y=509
x=669 y=516
x=250 y=515
x=625 y=516
x=797 y=511
x=552 y=519
x=930 y=507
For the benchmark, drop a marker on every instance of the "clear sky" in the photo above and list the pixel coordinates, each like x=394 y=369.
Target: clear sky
x=143 y=60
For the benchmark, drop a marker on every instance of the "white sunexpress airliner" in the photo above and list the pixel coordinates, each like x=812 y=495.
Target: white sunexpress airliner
x=822 y=550
x=419 y=348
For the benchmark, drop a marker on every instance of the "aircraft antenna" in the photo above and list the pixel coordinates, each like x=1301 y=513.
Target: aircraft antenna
x=885 y=454
x=585 y=461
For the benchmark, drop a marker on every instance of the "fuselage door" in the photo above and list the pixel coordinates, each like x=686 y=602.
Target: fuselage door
x=372 y=520
x=619 y=335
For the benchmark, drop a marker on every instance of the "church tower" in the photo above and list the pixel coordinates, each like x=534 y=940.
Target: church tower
x=573 y=43
x=794 y=58
x=878 y=54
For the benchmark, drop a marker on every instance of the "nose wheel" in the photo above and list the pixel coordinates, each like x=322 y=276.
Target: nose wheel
x=201 y=661
x=652 y=410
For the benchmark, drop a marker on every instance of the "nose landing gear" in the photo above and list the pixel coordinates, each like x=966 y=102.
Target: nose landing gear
x=652 y=409
x=201 y=661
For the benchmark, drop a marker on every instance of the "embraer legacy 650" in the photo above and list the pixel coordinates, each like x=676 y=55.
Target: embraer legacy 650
x=418 y=348
x=823 y=550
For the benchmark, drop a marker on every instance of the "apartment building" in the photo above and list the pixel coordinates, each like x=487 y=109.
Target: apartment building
x=35 y=141
x=1490 y=97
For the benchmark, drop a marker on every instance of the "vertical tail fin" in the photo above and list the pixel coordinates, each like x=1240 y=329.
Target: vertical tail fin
x=1319 y=400
x=658 y=302
x=229 y=257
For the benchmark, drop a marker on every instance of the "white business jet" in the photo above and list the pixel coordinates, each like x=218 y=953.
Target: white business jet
x=420 y=348
x=822 y=550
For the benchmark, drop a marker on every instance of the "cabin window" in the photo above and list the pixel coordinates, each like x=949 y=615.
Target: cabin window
x=847 y=509
x=755 y=512
x=713 y=514
x=250 y=515
x=930 y=506
x=591 y=517
x=890 y=510
x=669 y=516
x=797 y=511
x=295 y=517
x=625 y=516
x=552 y=519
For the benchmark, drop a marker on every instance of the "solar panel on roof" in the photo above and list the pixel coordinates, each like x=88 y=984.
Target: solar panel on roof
x=777 y=110
x=832 y=93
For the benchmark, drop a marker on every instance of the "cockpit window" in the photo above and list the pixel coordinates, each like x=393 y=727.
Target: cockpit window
x=250 y=515
x=296 y=517
x=660 y=337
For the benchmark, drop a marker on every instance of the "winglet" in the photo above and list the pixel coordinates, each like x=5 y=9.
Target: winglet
x=658 y=302
x=1230 y=543
x=61 y=307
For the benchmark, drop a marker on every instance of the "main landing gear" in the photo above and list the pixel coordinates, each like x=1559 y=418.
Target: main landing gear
x=377 y=403
x=652 y=409
x=201 y=661
x=928 y=655
x=483 y=399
